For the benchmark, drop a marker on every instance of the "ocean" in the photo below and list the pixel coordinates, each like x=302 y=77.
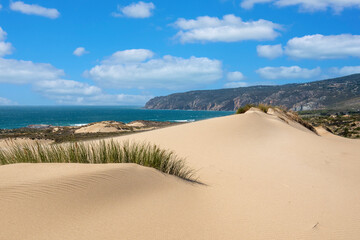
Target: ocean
x=23 y=116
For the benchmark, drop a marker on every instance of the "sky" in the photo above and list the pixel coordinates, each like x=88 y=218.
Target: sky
x=120 y=52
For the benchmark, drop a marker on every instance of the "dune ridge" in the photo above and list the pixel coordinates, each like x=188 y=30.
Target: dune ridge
x=265 y=179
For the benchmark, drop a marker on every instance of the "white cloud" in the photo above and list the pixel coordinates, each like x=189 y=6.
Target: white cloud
x=5 y=47
x=324 y=47
x=288 y=72
x=235 y=84
x=0 y=6
x=73 y=92
x=130 y=69
x=80 y=51
x=229 y=29
x=5 y=101
x=3 y=34
x=347 y=70
x=129 y=56
x=248 y=4
x=270 y=51
x=235 y=76
x=21 y=72
x=136 y=10
x=46 y=79
x=307 y=5
x=65 y=87
x=102 y=99
x=117 y=99
x=33 y=9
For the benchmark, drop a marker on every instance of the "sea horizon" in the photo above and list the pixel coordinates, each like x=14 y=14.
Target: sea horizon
x=19 y=116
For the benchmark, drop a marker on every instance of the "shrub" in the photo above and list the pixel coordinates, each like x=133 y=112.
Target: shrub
x=262 y=107
x=244 y=109
x=100 y=153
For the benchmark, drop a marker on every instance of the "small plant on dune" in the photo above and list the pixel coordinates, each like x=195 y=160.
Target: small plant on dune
x=144 y=154
x=262 y=107
x=244 y=109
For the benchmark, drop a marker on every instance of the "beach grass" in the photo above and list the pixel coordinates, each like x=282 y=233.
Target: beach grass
x=244 y=109
x=102 y=152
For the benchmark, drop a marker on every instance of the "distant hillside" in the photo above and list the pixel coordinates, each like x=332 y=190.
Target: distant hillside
x=338 y=93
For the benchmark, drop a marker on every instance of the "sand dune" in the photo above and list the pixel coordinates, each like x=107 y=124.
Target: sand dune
x=265 y=179
x=103 y=127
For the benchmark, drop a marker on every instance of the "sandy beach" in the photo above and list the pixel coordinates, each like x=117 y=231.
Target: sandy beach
x=263 y=178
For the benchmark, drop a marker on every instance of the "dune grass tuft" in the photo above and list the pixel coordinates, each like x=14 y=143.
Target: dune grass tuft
x=245 y=108
x=144 y=154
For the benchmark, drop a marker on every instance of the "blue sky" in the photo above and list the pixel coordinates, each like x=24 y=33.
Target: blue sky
x=125 y=52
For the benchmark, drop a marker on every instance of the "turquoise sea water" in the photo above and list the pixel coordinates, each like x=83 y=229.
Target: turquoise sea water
x=21 y=116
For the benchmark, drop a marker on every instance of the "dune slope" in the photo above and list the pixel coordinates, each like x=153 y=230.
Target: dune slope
x=265 y=179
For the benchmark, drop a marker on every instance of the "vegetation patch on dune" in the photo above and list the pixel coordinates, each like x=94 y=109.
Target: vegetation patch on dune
x=282 y=114
x=103 y=152
x=262 y=107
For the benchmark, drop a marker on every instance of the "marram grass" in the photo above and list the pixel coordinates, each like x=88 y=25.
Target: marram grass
x=144 y=154
x=262 y=107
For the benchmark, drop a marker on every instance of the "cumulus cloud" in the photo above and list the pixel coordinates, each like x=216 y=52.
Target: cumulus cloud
x=3 y=34
x=111 y=99
x=228 y=29
x=34 y=9
x=293 y=72
x=66 y=87
x=5 y=101
x=129 y=56
x=47 y=80
x=248 y=4
x=5 y=47
x=324 y=47
x=73 y=92
x=347 y=70
x=80 y=51
x=103 y=99
x=235 y=76
x=270 y=51
x=136 y=10
x=307 y=5
x=138 y=69
x=21 y=72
